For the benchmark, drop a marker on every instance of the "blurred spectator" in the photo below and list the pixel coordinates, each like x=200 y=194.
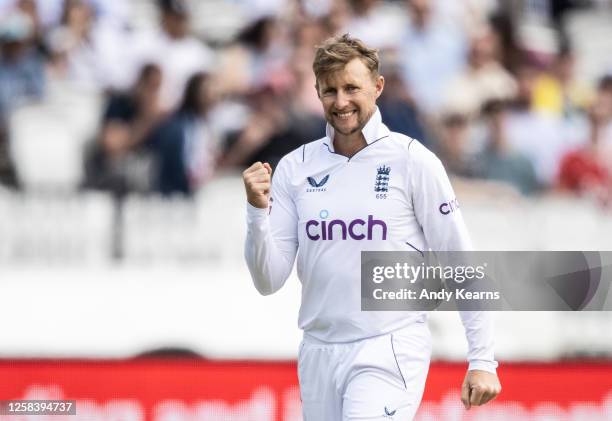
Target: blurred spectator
x=484 y=79
x=469 y=14
x=113 y=13
x=259 y=56
x=453 y=147
x=305 y=99
x=367 y=19
x=117 y=161
x=588 y=170
x=433 y=51
x=85 y=49
x=605 y=93
x=558 y=11
x=543 y=138
x=397 y=106
x=510 y=52
x=254 y=10
x=48 y=11
x=30 y=8
x=299 y=129
x=274 y=129
x=174 y=49
x=338 y=16
x=184 y=145
x=558 y=92
x=21 y=66
x=74 y=55
x=21 y=79
x=498 y=161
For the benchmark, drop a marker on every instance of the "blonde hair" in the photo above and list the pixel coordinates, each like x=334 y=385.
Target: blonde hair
x=337 y=51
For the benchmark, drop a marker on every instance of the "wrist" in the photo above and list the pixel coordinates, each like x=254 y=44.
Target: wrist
x=257 y=202
x=483 y=365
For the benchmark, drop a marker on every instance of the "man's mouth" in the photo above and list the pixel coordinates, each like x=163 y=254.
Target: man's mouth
x=344 y=115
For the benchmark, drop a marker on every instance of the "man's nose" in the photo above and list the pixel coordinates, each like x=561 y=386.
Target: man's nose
x=341 y=100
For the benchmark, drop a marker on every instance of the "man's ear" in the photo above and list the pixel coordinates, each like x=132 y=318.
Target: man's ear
x=316 y=86
x=380 y=85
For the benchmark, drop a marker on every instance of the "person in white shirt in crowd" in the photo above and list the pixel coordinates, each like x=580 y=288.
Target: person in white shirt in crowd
x=327 y=202
x=484 y=79
x=84 y=48
x=178 y=53
x=434 y=49
x=541 y=137
x=369 y=16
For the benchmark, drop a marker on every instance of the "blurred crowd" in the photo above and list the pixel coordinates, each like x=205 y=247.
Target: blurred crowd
x=472 y=80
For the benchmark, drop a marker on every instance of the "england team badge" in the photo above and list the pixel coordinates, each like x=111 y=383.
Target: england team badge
x=382 y=179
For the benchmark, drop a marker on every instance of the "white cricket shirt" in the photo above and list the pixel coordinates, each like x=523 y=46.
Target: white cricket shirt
x=393 y=195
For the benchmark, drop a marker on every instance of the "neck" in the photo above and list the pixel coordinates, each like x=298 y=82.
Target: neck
x=595 y=132
x=349 y=145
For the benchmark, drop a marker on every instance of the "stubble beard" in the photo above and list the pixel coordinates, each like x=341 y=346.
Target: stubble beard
x=360 y=124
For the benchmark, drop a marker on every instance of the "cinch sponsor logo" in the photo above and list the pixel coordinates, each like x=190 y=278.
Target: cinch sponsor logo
x=451 y=206
x=357 y=229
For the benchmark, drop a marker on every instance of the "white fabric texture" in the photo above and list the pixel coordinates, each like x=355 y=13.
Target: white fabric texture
x=378 y=378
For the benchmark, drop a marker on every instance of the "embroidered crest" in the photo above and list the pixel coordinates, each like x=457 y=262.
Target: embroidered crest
x=382 y=179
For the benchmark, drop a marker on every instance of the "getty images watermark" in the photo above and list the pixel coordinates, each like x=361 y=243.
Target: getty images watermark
x=480 y=280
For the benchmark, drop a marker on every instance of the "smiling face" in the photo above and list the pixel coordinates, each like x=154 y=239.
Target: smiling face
x=349 y=97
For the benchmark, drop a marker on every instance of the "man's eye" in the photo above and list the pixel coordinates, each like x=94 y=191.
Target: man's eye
x=351 y=88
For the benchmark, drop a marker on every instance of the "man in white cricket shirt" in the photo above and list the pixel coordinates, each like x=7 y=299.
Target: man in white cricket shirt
x=361 y=187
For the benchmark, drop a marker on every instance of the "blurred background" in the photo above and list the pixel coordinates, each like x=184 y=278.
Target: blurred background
x=125 y=125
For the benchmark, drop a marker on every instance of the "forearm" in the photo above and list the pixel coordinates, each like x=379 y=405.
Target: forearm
x=141 y=128
x=479 y=333
x=269 y=266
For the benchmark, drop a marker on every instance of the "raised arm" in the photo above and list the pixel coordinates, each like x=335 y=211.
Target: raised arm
x=271 y=242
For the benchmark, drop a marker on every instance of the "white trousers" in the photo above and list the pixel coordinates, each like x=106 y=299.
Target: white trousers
x=379 y=378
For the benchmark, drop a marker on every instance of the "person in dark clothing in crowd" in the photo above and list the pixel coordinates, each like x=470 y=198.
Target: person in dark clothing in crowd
x=398 y=109
x=274 y=129
x=452 y=144
x=118 y=161
x=184 y=144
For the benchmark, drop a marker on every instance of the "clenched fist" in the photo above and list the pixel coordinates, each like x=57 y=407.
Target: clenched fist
x=479 y=387
x=257 y=179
